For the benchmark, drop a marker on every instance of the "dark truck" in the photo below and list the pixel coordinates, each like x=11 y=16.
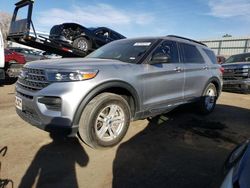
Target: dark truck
x=236 y=75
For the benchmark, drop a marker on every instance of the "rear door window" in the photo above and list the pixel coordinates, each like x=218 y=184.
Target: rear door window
x=191 y=54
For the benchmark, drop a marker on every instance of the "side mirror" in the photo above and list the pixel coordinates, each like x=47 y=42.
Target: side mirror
x=159 y=58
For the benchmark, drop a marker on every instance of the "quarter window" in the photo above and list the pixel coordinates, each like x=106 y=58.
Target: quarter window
x=191 y=54
x=211 y=56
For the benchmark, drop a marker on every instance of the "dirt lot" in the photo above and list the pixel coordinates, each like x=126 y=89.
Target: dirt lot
x=180 y=149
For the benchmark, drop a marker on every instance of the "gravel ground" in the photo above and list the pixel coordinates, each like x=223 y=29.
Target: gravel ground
x=179 y=149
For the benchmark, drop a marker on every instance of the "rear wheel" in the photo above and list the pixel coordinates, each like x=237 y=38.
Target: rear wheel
x=82 y=44
x=104 y=121
x=208 y=100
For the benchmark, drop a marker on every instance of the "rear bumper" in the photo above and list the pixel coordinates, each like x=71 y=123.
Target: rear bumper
x=240 y=85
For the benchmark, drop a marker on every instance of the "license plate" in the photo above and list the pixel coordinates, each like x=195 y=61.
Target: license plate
x=19 y=103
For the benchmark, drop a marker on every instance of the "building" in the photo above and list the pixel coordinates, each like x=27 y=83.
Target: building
x=227 y=45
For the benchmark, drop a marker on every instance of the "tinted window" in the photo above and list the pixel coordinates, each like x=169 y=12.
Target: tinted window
x=16 y=50
x=239 y=58
x=129 y=51
x=211 y=55
x=114 y=36
x=170 y=49
x=191 y=54
x=7 y=52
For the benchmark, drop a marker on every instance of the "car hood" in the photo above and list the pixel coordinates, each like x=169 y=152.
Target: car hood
x=74 y=63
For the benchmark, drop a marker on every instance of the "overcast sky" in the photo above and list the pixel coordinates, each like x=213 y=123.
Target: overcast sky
x=198 y=19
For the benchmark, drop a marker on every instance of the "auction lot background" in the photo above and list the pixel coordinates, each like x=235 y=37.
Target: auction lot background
x=179 y=149
x=197 y=19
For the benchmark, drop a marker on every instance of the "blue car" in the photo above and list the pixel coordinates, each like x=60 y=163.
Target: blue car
x=238 y=167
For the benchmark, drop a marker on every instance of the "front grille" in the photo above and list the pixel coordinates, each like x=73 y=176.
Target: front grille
x=235 y=74
x=24 y=95
x=32 y=79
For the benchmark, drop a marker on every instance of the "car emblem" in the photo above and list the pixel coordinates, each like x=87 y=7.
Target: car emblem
x=24 y=74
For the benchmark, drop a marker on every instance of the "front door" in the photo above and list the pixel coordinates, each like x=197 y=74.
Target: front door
x=164 y=82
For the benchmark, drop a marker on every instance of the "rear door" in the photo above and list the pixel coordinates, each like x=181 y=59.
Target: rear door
x=164 y=81
x=196 y=71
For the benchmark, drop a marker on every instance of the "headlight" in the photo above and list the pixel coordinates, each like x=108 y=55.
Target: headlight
x=69 y=75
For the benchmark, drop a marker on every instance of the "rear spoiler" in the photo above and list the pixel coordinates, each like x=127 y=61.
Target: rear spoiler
x=22 y=27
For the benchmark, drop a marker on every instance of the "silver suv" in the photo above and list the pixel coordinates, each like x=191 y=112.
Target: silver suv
x=123 y=81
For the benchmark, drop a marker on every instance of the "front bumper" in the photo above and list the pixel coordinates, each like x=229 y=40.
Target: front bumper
x=59 y=119
x=239 y=85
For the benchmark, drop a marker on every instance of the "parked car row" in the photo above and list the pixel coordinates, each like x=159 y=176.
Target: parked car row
x=13 y=63
x=29 y=54
x=16 y=57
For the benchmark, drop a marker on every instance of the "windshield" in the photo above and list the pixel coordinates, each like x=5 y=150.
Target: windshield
x=239 y=58
x=129 y=51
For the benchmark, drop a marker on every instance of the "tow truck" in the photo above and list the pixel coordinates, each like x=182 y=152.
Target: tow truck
x=22 y=31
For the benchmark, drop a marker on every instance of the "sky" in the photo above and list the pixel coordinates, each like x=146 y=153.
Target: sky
x=197 y=19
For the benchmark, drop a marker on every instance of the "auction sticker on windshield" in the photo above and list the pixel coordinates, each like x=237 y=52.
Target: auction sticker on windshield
x=19 y=104
x=142 y=44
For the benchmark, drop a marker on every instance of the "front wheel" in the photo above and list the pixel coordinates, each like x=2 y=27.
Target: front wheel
x=208 y=100
x=104 y=121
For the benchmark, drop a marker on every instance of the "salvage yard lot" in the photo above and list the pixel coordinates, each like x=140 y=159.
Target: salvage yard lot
x=179 y=149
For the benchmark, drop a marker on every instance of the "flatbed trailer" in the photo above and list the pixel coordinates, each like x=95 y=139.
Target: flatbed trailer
x=20 y=32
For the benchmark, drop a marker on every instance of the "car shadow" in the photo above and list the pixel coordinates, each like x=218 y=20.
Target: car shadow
x=54 y=164
x=7 y=81
x=180 y=149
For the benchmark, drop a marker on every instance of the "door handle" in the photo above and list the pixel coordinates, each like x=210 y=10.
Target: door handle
x=178 y=69
x=205 y=67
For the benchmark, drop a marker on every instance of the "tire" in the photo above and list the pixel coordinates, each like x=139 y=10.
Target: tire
x=11 y=78
x=82 y=44
x=208 y=100
x=97 y=128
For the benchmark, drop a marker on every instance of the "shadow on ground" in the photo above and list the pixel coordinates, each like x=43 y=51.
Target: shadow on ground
x=54 y=164
x=7 y=81
x=180 y=149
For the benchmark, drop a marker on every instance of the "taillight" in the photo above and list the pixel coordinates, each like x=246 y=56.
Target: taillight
x=222 y=70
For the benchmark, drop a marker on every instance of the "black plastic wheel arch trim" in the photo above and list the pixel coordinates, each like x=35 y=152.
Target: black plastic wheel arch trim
x=102 y=87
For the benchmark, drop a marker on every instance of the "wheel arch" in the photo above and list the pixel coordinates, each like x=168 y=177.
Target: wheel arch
x=216 y=82
x=117 y=87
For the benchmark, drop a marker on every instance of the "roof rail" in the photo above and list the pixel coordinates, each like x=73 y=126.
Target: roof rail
x=187 y=39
